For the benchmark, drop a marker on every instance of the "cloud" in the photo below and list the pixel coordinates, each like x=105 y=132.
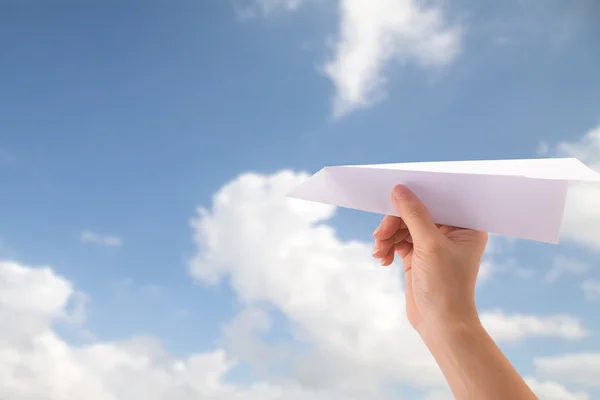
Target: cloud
x=578 y=368
x=488 y=264
x=35 y=363
x=374 y=33
x=30 y=299
x=591 y=289
x=253 y=8
x=562 y=265
x=440 y=395
x=548 y=390
x=88 y=236
x=545 y=390
x=495 y=262
x=582 y=214
x=243 y=339
x=349 y=310
x=346 y=313
x=515 y=327
x=348 y=331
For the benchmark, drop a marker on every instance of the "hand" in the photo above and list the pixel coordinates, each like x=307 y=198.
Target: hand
x=441 y=263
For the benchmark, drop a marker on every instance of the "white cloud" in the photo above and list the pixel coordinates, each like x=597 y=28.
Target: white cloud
x=545 y=390
x=548 y=390
x=337 y=298
x=440 y=395
x=349 y=331
x=88 y=236
x=29 y=299
x=582 y=215
x=35 y=363
x=347 y=313
x=488 y=266
x=254 y=8
x=243 y=339
x=578 y=368
x=497 y=260
x=374 y=33
x=591 y=289
x=514 y=327
x=493 y=262
x=562 y=265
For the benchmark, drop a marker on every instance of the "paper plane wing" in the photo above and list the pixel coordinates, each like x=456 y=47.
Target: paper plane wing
x=520 y=198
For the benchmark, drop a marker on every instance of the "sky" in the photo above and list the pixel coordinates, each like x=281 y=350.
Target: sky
x=147 y=250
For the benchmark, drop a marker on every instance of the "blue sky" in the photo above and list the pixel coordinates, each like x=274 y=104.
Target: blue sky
x=122 y=119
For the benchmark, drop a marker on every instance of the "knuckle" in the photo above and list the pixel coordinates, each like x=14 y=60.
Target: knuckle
x=431 y=246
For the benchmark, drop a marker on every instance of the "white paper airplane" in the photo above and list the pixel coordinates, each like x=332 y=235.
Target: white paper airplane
x=520 y=198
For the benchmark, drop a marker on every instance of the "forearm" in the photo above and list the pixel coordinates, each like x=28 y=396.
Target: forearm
x=473 y=365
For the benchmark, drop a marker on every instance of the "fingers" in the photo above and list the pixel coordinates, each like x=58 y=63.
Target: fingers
x=389 y=225
x=382 y=247
x=388 y=258
x=414 y=214
x=403 y=248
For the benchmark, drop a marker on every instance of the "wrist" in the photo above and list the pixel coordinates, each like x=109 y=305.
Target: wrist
x=443 y=333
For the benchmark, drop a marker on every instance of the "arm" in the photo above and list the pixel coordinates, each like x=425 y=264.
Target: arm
x=441 y=264
x=472 y=363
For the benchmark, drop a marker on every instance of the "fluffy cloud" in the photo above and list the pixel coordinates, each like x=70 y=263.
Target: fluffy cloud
x=336 y=297
x=372 y=34
x=579 y=368
x=347 y=313
x=29 y=300
x=35 y=363
x=582 y=214
x=349 y=334
x=88 y=236
x=243 y=339
x=548 y=390
x=562 y=265
x=515 y=327
x=545 y=390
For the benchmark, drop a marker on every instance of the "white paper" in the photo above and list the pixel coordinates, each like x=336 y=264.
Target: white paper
x=520 y=198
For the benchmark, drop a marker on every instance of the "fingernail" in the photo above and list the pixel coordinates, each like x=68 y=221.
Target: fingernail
x=377 y=231
x=401 y=191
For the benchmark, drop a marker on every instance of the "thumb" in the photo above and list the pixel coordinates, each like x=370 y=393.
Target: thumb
x=414 y=214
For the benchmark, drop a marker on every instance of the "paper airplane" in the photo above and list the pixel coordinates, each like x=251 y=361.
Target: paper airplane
x=520 y=198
